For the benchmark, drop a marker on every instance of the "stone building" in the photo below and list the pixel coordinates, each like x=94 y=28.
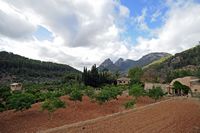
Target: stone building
x=123 y=81
x=16 y=87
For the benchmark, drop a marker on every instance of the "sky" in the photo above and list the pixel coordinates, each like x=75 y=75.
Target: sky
x=86 y=32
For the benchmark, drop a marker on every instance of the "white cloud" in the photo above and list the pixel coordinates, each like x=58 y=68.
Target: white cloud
x=180 y=31
x=140 y=20
x=87 y=32
x=13 y=24
x=155 y=15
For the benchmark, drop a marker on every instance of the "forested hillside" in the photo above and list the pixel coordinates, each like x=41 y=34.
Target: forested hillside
x=182 y=64
x=20 y=69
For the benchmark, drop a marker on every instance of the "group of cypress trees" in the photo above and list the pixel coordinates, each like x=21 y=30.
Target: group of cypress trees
x=95 y=78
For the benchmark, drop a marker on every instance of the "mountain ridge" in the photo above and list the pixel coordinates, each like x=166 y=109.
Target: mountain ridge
x=122 y=65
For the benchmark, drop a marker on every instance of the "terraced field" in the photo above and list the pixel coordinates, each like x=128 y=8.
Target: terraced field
x=173 y=116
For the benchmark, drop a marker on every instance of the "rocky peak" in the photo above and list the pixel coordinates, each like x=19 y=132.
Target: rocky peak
x=106 y=63
x=119 y=61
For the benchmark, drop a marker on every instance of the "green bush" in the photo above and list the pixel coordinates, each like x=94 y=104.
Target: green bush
x=129 y=104
x=136 y=90
x=52 y=104
x=107 y=93
x=76 y=95
x=89 y=91
x=156 y=93
x=103 y=96
x=4 y=93
x=21 y=101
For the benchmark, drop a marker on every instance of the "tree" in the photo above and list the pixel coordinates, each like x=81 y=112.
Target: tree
x=129 y=104
x=76 y=95
x=21 y=101
x=52 y=104
x=96 y=79
x=89 y=91
x=135 y=74
x=103 y=96
x=4 y=93
x=156 y=93
x=136 y=90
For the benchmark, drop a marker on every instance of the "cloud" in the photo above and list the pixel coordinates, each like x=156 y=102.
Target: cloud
x=155 y=15
x=87 y=32
x=13 y=24
x=140 y=20
x=79 y=23
x=180 y=31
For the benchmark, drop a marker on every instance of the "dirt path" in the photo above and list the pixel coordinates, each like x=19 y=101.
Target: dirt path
x=175 y=116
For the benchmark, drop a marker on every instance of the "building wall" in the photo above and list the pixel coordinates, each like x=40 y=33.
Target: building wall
x=17 y=87
x=148 y=86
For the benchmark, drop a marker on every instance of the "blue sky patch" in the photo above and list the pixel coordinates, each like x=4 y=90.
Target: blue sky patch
x=43 y=34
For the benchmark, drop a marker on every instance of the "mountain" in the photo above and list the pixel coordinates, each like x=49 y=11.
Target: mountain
x=124 y=65
x=21 y=69
x=108 y=65
x=186 y=63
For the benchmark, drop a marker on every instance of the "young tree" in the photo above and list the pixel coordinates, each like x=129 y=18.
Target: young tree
x=136 y=90
x=21 y=101
x=129 y=104
x=156 y=93
x=135 y=74
x=52 y=104
x=76 y=95
x=103 y=96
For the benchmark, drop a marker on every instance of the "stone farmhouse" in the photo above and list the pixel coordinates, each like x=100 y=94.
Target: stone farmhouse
x=123 y=81
x=16 y=87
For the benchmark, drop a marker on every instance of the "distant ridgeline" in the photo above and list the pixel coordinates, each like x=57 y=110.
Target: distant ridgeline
x=186 y=63
x=122 y=66
x=20 y=69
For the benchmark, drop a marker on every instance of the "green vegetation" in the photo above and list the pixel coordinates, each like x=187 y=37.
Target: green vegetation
x=156 y=93
x=21 y=69
x=107 y=93
x=136 y=91
x=182 y=64
x=76 y=95
x=130 y=104
x=52 y=104
x=157 y=62
x=178 y=87
x=90 y=92
x=96 y=79
x=21 y=101
x=135 y=74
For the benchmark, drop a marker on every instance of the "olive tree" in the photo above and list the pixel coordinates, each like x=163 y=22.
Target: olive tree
x=156 y=93
x=136 y=90
x=21 y=101
x=52 y=104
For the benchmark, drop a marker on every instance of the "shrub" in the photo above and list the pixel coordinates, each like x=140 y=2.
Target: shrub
x=156 y=93
x=103 y=96
x=129 y=104
x=76 y=95
x=52 y=104
x=21 y=101
x=89 y=91
x=4 y=93
x=136 y=90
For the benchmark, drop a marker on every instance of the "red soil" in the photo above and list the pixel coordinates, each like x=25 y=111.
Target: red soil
x=33 y=120
x=174 y=116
